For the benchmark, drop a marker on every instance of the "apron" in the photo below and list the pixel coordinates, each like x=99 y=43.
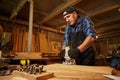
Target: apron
x=87 y=57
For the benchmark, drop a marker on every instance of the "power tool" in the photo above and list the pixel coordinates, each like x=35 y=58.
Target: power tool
x=68 y=60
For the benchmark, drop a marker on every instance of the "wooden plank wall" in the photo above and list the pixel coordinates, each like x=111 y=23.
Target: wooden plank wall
x=41 y=40
x=20 y=40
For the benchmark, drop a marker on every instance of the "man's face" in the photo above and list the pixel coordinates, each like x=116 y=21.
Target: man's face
x=71 y=18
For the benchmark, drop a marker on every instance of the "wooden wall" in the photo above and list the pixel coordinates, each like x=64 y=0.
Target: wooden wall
x=42 y=40
x=104 y=48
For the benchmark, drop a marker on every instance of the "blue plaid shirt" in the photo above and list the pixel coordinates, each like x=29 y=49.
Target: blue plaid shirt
x=88 y=28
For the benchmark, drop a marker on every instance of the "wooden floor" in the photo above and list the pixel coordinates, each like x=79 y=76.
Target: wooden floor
x=73 y=72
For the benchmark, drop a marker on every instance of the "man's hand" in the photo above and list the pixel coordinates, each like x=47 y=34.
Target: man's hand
x=62 y=53
x=74 y=53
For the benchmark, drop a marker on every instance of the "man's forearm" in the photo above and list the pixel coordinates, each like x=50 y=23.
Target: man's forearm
x=86 y=44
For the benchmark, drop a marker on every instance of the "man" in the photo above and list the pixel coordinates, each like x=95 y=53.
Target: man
x=80 y=32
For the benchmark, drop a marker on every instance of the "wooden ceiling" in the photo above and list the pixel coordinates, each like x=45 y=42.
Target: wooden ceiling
x=104 y=13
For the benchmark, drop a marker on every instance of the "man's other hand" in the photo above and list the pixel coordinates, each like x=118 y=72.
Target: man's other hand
x=74 y=53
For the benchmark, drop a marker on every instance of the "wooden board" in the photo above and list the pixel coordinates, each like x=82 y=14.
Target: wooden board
x=41 y=76
x=94 y=69
x=26 y=55
x=78 y=72
x=43 y=43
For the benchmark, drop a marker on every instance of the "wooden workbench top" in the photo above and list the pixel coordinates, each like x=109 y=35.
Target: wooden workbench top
x=77 y=72
x=73 y=72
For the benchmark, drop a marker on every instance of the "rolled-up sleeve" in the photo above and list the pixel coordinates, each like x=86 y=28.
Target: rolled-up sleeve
x=89 y=28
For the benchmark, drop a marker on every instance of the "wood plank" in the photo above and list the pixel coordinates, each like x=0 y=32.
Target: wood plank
x=43 y=43
x=42 y=76
x=26 y=55
x=94 y=69
x=78 y=72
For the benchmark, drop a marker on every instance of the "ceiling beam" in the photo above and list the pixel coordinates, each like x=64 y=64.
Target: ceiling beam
x=42 y=13
x=18 y=8
x=63 y=26
x=103 y=8
x=110 y=33
x=82 y=12
x=107 y=36
x=108 y=20
x=107 y=28
x=59 y=9
x=51 y=29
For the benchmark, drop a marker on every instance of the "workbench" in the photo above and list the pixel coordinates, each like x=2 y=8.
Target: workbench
x=36 y=57
x=73 y=72
x=41 y=60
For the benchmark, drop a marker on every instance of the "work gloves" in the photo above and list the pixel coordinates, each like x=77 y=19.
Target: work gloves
x=62 y=53
x=74 y=53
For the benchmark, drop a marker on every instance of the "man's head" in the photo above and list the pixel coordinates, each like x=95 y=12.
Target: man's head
x=70 y=15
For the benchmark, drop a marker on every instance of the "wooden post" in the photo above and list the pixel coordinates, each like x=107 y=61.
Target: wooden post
x=30 y=26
